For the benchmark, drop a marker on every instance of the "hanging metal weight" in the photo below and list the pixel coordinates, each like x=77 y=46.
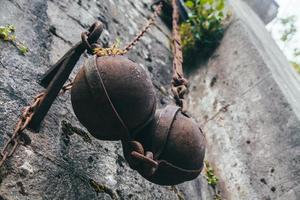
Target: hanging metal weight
x=171 y=149
x=113 y=97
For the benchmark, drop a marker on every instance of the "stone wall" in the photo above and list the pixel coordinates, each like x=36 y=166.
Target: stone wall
x=245 y=99
x=266 y=9
x=54 y=165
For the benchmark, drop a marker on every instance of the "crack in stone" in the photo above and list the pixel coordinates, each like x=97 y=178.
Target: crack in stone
x=34 y=17
x=2 y=64
x=177 y=192
x=99 y=188
x=255 y=84
x=234 y=102
x=77 y=21
x=52 y=30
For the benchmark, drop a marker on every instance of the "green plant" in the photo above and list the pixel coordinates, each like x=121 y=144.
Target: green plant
x=289 y=28
x=212 y=179
x=288 y=38
x=22 y=48
x=217 y=197
x=296 y=66
x=210 y=176
x=204 y=27
x=188 y=40
x=296 y=52
x=7 y=34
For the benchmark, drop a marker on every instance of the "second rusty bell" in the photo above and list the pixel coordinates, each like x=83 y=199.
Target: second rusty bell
x=113 y=97
x=170 y=150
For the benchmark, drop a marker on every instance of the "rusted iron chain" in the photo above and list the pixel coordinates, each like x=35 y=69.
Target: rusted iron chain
x=11 y=145
x=114 y=50
x=150 y=22
x=16 y=139
x=66 y=88
x=179 y=83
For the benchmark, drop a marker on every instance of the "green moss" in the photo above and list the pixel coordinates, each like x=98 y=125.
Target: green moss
x=296 y=66
x=7 y=34
x=187 y=37
x=22 y=49
x=210 y=176
x=217 y=197
x=212 y=180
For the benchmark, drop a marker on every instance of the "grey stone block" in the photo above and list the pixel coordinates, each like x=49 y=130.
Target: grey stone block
x=245 y=100
x=56 y=166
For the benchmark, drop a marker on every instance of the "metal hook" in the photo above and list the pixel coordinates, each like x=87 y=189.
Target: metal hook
x=55 y=77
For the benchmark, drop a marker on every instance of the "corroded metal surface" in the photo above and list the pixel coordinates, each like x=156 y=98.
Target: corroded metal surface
x=175 y=153
x=56 y=76
x=75 y=161
x=112 y=97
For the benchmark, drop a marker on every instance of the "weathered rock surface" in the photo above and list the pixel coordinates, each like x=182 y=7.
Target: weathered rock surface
x=55 y=165
x=266 y=9
x=245 y=98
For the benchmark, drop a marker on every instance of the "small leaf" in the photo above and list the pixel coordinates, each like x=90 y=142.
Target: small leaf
x=4 y=35
x=206 y=19
x=23 y=49
x=6 y=31
x=220 y=5
x=189 y=4
x=205 y=25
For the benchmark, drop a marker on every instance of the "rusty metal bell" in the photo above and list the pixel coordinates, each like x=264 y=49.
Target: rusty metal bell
x=171 y=149
x=113 y=97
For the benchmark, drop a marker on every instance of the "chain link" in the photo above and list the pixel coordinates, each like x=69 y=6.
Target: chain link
x=179 y=83
x=150 y=22
x=16 y=139
x=28 y=112
x=114 y=50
